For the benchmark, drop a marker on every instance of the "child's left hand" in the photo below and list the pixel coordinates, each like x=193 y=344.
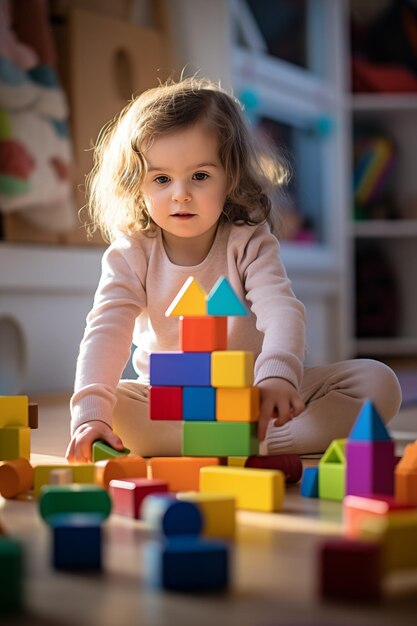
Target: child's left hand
x=279 y=400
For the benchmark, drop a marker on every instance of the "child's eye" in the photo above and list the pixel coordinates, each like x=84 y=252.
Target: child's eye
x=200 y=176
x=161 y=180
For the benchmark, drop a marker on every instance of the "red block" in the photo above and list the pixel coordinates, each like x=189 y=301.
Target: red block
x=289 y=464
x=165 y=403
x=127 y=495
x=350 y=570
x=203 y=334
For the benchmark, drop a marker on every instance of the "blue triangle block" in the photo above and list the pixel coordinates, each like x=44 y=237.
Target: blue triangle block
x=222 y=300
x=369 y=425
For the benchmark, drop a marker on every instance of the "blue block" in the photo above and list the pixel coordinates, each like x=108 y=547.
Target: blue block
x=188 y=564
x=77 y=541
x=180 y=369
x=369 y=425
x=310 y=482
x=199 y=404
x=170 y=516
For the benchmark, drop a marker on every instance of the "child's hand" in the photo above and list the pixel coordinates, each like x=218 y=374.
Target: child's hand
x=279 y=400
x=79 y=449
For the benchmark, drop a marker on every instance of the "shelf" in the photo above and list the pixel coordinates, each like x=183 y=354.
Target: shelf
x=385 y=228
x=384 y=102
x=387 y=346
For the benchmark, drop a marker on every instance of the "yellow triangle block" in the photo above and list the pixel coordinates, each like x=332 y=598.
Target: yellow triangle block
x=189 y=301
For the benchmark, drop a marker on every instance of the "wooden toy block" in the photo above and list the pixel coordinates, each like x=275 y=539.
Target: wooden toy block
x=14 y=443
x=102 y=450
x=370 y=467
x=181 y=473
x=77 y=541
x=11 y=575
x=130 y=466
x=189 y=301
x=369 y=425
x=236 y=461
x=356 y=509
x=310 y=483
x=61 y=476
x=405 y=476
x=222 y=300
x=241 y=404
x=332 y=471
x=82 y=473
x=232 y=368
x=14 y=411
x=16 y=477
x=219 y=513
x=203 y=334
x=219 y=439
x=187 y=564
x=289 y=464
x=199 y=404
x=75 y=498
x=127 y=495
x=33 y=416
x=169 y=516
x=165 y=403
x=397 y=533
x=180 y=369
x=255 y=490
x=350 y=570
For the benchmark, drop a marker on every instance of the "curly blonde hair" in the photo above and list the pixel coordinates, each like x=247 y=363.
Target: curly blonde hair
x=114 y=186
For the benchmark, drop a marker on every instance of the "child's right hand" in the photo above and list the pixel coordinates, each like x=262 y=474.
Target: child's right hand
x=80 y=446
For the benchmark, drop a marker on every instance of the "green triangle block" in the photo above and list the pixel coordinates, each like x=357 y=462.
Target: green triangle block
x=335 y=453
x=369 y=425
x=102 y=451
x=222 y=300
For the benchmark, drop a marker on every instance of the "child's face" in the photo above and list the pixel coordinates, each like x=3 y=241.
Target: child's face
x=185 y=187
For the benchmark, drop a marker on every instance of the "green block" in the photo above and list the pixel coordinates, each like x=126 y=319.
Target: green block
x=14 y=443
x=332 y=471
x=11 y=575
x=219 y=438
x=102 y=451
x=74 y=498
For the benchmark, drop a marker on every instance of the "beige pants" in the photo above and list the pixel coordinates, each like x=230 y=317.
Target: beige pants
x=333 y=395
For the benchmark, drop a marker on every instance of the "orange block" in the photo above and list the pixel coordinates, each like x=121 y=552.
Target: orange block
x=182 y=473
x=130 y=466
x=406 y=476
x=357 y=508
x=203 y=334
x=237 y=404
x=16 y=477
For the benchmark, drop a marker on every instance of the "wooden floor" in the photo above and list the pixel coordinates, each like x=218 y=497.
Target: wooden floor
x=274 y=578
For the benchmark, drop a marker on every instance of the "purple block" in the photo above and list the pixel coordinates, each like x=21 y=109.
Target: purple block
x=370 y=468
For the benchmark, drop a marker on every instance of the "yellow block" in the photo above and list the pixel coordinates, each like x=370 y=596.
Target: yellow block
x=239 y=404
x=236 y=461
x=81 y=473
x=255 y=490
x=189 y=301
x=398 y=534
x=15 y=443
x=14 y=411
x=232 y=368
x=219 y=512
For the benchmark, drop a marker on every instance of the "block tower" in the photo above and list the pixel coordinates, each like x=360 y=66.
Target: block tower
x=14 y=428
x=207 y=386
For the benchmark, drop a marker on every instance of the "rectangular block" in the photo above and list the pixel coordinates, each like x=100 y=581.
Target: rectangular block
x=14 y=411
x=165 y=403
x=180 y=369
x=406 y=486
x=15 y=442
x=33 y=416
x=332 y=481
x=127 y=495
x=203 y=334
x=77 y=541
x=219 y=439
x=255 y=490
x=219 y=512
x=356 y=509
x=237 y=404
x=81 y=472
x=199 y=404
x=181 y=473
x=398 y=534
x=370 y=467
x=232 y=368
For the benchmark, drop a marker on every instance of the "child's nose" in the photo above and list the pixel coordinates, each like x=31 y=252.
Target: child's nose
x=181 y=193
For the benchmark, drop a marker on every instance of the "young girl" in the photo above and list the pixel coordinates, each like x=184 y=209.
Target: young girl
x=179 y=189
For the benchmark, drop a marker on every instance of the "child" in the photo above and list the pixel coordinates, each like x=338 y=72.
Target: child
x=179 y=189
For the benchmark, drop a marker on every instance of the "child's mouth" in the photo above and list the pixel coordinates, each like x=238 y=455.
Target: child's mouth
x=183 y=216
